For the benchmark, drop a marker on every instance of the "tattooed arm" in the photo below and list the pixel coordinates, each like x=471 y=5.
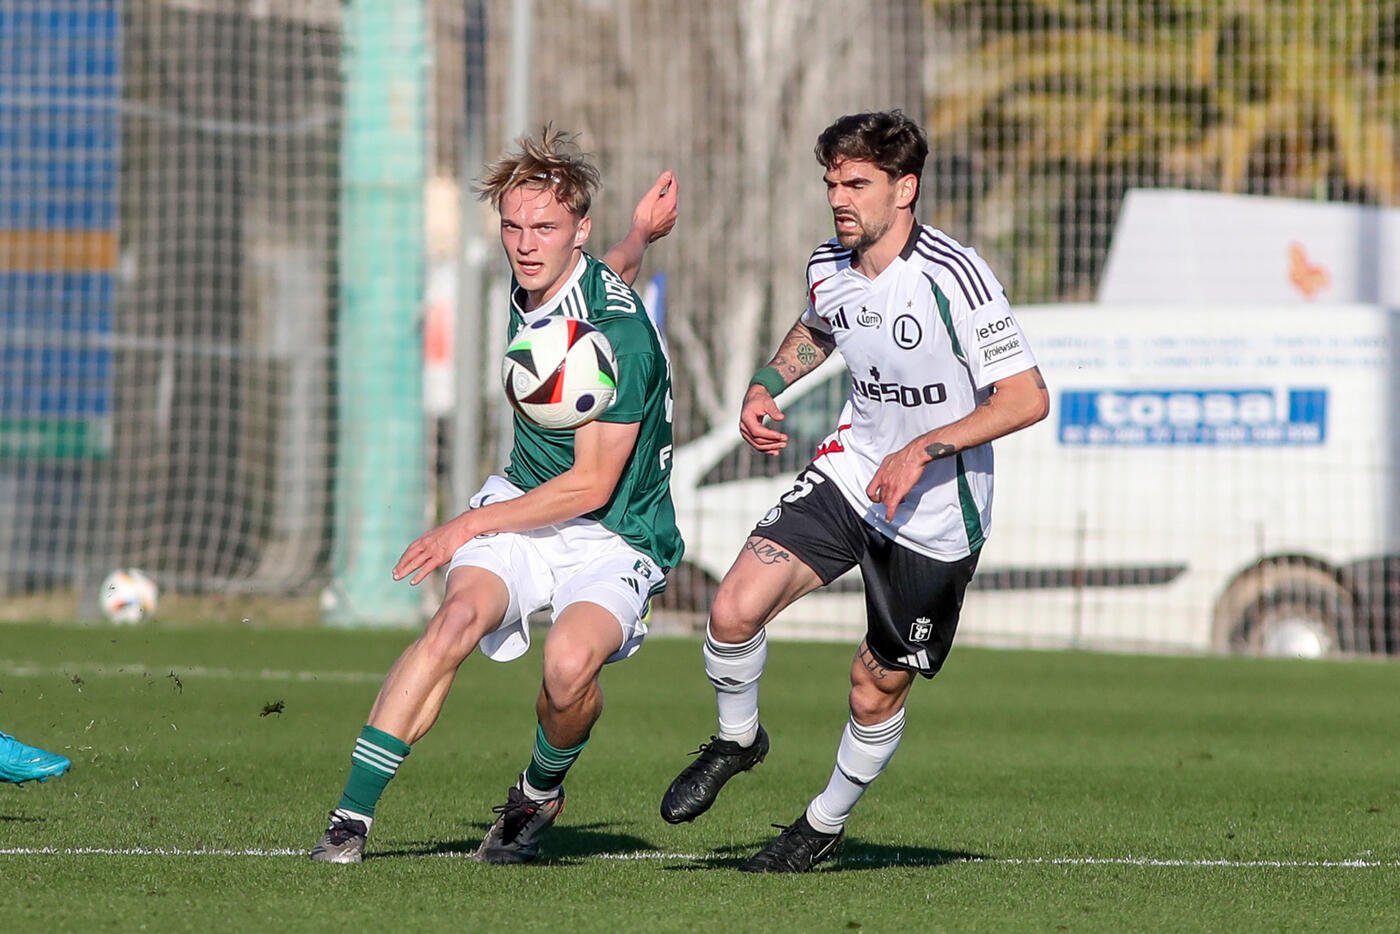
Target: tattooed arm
x=801 y=352
x=1016 y=402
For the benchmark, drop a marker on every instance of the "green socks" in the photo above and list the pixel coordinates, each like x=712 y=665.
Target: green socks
x=548 y=764
x=376 y=758
x=378 y=755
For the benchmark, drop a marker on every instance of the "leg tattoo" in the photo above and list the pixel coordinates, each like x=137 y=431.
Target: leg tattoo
x=871 y=663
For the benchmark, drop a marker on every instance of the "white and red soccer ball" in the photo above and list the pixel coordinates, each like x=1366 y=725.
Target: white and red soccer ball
x=128 y=596
x=560 y=373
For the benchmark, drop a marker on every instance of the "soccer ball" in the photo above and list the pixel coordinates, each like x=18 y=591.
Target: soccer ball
x=560 y=373
x=128 y=596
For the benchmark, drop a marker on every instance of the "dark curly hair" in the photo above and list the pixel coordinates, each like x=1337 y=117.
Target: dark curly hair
x=887 y=139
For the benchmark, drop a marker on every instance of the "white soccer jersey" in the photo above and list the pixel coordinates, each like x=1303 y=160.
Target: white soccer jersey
x=924 y=341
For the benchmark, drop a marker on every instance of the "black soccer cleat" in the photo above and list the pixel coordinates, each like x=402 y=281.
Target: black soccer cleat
x=698 y=785
x=797 y=849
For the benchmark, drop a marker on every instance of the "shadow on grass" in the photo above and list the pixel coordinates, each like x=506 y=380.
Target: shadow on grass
x=852 y=857
x=12 y=819
x=572 y=845
x=723 y=857
x=563 y=846
x=856 y=855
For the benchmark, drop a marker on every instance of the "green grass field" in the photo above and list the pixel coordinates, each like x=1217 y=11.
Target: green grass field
x=1032 y=791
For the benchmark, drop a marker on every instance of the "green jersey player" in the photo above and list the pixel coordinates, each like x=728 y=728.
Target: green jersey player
x=581 y=521
x=640 y=511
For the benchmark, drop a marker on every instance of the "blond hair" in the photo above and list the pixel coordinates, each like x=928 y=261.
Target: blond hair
x=552 y=161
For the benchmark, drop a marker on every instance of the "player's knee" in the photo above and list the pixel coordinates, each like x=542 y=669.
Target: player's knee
x=733 y=618
x=870 y=705
x=453 y=631
x=569 y=675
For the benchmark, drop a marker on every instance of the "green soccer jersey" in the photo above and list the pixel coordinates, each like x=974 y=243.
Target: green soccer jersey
x=640 y=509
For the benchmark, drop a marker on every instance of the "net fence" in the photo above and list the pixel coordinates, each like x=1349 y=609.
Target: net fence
x=165 y=397
x=171 y=181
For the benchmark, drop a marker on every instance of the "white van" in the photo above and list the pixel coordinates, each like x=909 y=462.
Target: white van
x=1209 y=478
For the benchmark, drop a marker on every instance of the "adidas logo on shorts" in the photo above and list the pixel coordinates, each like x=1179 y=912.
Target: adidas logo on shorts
x=917 y=660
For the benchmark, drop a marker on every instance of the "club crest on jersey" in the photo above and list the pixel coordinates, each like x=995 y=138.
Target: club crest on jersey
x=907 y=332
x=770 y=516
x=643 y=567
x=921 y=630
x=868 y=318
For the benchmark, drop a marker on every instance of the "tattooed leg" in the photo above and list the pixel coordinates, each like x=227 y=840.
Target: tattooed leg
x=872 y=664
x=767 y=552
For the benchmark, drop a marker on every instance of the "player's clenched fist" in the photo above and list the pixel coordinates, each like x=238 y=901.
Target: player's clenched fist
x=758 y=405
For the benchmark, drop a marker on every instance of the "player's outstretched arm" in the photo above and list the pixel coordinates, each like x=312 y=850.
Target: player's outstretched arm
x=1016 y=402
x=801 y=352
x=601 y=451
x=653 y=218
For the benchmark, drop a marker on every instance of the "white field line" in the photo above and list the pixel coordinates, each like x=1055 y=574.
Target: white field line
x=136 y=669
x=141 y=670
x=1145 y=861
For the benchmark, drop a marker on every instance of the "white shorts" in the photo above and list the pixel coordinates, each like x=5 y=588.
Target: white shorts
x=576 y=561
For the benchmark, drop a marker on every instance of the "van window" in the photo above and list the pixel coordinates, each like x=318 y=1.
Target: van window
x=807 y=421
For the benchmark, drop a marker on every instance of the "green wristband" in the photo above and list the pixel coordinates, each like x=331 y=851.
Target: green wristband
x=770 y=379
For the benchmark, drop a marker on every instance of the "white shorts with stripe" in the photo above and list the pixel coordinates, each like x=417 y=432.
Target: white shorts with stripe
x=573 y=562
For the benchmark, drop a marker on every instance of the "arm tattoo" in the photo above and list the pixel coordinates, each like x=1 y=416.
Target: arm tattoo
x=940 y=449
x=871 y=663
x=801 y=351
x=766 y=551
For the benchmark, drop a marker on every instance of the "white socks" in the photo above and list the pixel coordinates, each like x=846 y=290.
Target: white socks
x=535 y=794
x=865 y=751
x=862 y=756
x=345 y=814
x=734 y=670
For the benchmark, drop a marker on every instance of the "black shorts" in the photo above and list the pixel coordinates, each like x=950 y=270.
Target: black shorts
x=912 y=602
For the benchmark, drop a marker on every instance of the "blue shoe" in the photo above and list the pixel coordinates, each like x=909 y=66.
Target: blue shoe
x=20 y=763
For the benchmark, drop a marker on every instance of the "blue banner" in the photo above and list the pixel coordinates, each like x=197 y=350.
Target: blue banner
x=1217 y=416
x=60 y=136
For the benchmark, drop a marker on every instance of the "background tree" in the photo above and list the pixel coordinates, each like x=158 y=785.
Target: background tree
x=1045 y=112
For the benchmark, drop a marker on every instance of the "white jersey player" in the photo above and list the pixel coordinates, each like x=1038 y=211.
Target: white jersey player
x=901 y=488
x=949 y=337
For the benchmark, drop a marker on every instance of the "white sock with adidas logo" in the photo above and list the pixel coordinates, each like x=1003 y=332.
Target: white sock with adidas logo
x=734 y=670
